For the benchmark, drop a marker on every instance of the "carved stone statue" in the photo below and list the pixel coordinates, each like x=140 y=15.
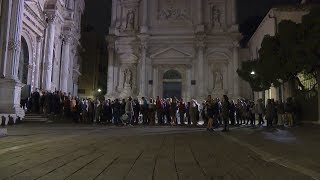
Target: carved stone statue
x=70 y=4
x=127 y=78
x=130 y=20
x=218 y=82
x=216 y=14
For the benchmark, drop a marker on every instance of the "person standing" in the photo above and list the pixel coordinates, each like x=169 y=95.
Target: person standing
x=116 y=108
x=210 y=113
x=225 y=112
x=136 y=110
x=259 y=109
x=232 y=113
x=144 y=111
x=152 y=112
x=159 y=109
x=193 y=112
x=129 y=110
x=173 y=111
x=269 y=112
x=182 y=111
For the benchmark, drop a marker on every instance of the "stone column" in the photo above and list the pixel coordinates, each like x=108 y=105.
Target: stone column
x=188 y=83
x=155 y=82
x=38 y=60
x=144 y=27
x=4 y=36
x=14 y=45
x=236 y=79
x=143 y=80
x=200 y=26
x=65 y=63
x=110 y=86
x=48 y=53
x=234 y=12
x=10 y=87
x=200 y=83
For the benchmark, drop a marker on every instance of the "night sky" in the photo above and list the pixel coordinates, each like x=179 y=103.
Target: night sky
x=98 y=12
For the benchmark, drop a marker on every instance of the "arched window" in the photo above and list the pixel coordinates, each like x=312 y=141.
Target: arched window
x=23 y=62
x=172 y=74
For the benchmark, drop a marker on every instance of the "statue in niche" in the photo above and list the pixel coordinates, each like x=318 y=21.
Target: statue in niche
x=130 y=20
x=216 y=14
x=127 y=78
x=218 y=81
x=70 y=5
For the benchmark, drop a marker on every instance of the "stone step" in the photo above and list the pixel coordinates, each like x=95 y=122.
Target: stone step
x=35 y=118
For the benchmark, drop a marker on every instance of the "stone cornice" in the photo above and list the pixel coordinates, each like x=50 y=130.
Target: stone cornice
x=40 y=19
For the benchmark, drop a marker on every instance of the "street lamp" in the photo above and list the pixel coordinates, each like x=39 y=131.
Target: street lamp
x=99 y=90
x=253 y=73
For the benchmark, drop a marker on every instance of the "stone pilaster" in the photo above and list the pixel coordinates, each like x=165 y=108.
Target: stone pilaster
x=48 y=53
x=143 y=80
x=4 y=36
x=38 y=60
x=111 y=67
x=65 y=63
x=200 y=81
x=144 y=27
x=236 y=79
x=188 y=82
x=155 y=83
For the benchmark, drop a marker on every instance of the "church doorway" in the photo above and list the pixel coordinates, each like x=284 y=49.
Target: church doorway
x=23 y=62
x=172 y=84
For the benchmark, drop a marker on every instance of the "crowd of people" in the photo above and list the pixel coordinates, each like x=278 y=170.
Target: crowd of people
x=170 y=111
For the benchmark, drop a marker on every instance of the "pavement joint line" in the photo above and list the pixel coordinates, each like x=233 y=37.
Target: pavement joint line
x=68 y=177
x=2 y=151
x=104 y=169
x=135 y=161
x=268 y=157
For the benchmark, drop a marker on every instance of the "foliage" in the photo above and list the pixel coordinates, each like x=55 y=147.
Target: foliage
x=295 y=49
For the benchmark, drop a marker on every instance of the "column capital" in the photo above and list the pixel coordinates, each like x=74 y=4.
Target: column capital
x=235 y=44
x=13 y=45
x=67 y=38
x=111 y=47
x=39 y=38
x=51 y=17
x=200 y=41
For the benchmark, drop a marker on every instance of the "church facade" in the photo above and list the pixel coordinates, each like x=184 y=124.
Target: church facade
x=183 y=48
x=39 y=49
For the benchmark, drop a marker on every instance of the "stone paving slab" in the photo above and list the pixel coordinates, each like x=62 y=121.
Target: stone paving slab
x=142 y=153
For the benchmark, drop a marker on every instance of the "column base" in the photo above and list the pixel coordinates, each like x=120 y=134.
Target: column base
x=10 y=95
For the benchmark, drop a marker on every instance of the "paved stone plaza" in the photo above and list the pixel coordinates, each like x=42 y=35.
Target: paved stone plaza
x=67 y=151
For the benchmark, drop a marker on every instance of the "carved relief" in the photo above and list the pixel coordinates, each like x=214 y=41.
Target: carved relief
x=171 y=11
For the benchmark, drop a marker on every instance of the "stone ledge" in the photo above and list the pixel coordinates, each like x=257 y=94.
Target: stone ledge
x=3 y=132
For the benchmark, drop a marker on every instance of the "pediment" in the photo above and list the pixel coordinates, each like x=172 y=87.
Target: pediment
x=170 y=53
x=218 y=55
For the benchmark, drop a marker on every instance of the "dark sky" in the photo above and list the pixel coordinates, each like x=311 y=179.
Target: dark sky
x=98 y=12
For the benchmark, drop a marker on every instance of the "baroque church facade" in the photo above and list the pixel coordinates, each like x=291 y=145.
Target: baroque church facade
x=167 y=48
x=39 y=49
